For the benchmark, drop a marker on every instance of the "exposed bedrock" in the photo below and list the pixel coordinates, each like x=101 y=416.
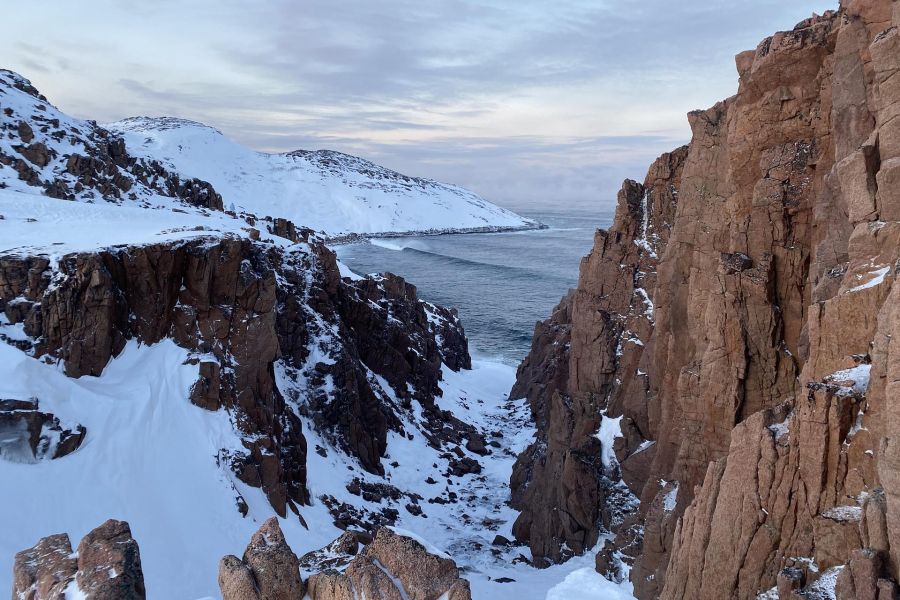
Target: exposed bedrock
x=737 y=322
x=255 y=316
x=388 y=566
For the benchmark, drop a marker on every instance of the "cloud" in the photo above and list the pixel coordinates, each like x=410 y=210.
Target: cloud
x=526 y=101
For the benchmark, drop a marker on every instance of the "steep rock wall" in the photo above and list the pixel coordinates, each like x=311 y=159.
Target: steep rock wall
x=749 y=429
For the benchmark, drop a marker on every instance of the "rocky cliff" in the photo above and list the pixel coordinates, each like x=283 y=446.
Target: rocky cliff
x=727 y=356
x=105 y=565
x=240 y=306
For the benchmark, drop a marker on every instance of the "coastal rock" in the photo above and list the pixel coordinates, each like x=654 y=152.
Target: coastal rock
x=44 y=571
x=109 y=564
x=30 y=435
x=389 y=566
x=239 y=306
x=422 y=574
x=742 y=328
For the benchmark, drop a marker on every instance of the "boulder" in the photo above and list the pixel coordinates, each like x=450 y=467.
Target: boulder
x=106 y=566
x=269 y=569
x=109 y=564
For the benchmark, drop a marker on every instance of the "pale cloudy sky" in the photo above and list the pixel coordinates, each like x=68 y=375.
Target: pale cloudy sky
x=528 y=102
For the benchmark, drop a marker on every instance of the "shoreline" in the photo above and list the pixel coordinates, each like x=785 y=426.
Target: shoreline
x=360 y=238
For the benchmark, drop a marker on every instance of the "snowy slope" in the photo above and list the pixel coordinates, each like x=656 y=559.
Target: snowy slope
x=150 y=461
x=325 y=190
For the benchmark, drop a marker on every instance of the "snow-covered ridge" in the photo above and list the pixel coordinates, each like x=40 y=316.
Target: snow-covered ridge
x=136 y=160
x=328 y=191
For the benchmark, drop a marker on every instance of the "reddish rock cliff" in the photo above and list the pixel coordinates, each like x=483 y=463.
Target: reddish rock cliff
x=732 y=317
x=250 y=312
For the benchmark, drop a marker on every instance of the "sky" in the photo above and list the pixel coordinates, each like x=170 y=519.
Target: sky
x=535 y=105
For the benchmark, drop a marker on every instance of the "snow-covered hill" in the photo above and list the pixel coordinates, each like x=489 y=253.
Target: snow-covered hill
x=325 y=190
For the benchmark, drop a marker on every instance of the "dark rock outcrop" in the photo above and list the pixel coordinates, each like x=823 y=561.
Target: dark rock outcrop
x=82 y=160
x=28 y=435
x=269 y=569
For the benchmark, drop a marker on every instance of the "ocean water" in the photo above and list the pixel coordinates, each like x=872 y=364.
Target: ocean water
x=501 y=283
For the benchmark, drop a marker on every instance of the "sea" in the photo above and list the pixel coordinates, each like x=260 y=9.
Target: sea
x=501 y=283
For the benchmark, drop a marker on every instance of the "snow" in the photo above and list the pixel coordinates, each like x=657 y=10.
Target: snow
x=478 y=397
x=73 y=592
x=397 y=583
x=781 y=429
x=671 y=499
x=824 y=586
x=153 y=459
x=610 y=429
x=877 y=277
x=843 y=513
x=857 y=378
x=327 y=191
x=646 y=247
x=648 y=303
x=347 y=272
x=431 y=548
x=35 y=224
x=586 y=584
x=150 y=459
x=644 y=446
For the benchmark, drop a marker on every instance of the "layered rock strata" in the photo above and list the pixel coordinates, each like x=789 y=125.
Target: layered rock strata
x=727 y=354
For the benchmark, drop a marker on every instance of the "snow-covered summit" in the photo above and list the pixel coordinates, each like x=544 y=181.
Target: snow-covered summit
x=326 y=190
x=139 y=124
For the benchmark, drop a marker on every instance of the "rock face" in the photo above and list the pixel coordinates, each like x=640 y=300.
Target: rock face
x=731 y=341
x=243 y=307
x=390 y=566
x=269 y=569
x=28 y=435
x=107 y=566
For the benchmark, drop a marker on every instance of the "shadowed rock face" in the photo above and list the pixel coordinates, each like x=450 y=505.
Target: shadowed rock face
x=107 y=566
x=715 y=317
x=390 y=567
x=242 y=307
